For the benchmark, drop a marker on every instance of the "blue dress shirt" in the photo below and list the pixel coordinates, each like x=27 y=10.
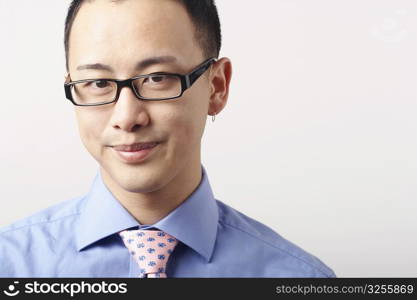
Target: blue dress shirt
x=79 y=238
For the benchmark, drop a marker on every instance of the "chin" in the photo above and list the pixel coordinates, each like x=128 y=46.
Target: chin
x=135 y=179
x=141 y=185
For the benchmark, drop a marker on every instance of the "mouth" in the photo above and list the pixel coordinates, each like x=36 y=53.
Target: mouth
x=135 y=147
x=135 y=153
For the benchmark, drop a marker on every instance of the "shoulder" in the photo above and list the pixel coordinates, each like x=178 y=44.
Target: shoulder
x=54 y=214
x=33 y=239
x=282 y=254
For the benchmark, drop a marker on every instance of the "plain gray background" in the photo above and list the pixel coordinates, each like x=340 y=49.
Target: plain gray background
x=318 y=140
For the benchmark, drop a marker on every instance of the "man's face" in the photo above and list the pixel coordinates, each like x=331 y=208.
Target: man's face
x=119 y=35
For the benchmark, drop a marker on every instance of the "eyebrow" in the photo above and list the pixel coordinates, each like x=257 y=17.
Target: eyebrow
x=139 y=65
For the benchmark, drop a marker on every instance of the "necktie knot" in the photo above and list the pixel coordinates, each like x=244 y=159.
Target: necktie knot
x=150 y=249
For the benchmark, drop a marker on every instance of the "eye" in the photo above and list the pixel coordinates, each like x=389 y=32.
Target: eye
x=154 y=79
x=96 y=87
x=101 y=84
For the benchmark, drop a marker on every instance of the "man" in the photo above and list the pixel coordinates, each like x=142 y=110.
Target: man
x=143 y=75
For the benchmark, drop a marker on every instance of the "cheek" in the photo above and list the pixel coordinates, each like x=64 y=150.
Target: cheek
x=183 y=126
x=90 y=126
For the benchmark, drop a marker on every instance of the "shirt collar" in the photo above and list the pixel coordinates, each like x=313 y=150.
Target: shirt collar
x=194 y=222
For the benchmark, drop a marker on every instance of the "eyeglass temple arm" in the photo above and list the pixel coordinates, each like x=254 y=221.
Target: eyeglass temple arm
x=195 y=75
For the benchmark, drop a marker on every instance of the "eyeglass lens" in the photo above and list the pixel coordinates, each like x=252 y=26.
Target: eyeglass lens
x=156 y=86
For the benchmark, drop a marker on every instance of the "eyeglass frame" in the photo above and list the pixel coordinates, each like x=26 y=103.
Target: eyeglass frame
x=187 y=80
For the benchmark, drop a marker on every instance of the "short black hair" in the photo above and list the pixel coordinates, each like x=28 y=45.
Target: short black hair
x=203 y=14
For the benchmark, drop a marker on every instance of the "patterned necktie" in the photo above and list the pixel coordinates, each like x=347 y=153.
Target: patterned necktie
x=150 y=249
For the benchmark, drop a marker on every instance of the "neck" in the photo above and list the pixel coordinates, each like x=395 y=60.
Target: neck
x=148 y=208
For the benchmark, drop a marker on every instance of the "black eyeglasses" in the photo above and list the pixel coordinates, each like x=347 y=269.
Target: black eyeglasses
x=152 y=87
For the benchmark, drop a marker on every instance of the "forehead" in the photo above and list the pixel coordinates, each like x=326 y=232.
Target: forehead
x=119 y=33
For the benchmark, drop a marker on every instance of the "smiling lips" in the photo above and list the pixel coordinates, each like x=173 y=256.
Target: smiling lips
x=135 y=147
x=135 y=153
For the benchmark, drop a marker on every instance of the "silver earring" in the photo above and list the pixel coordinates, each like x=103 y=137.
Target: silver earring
x=213 y=117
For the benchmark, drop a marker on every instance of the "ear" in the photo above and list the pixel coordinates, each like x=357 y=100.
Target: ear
x=66 y=77
x=220 y=76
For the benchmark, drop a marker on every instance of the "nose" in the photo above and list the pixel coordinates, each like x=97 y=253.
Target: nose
x=129 y=112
